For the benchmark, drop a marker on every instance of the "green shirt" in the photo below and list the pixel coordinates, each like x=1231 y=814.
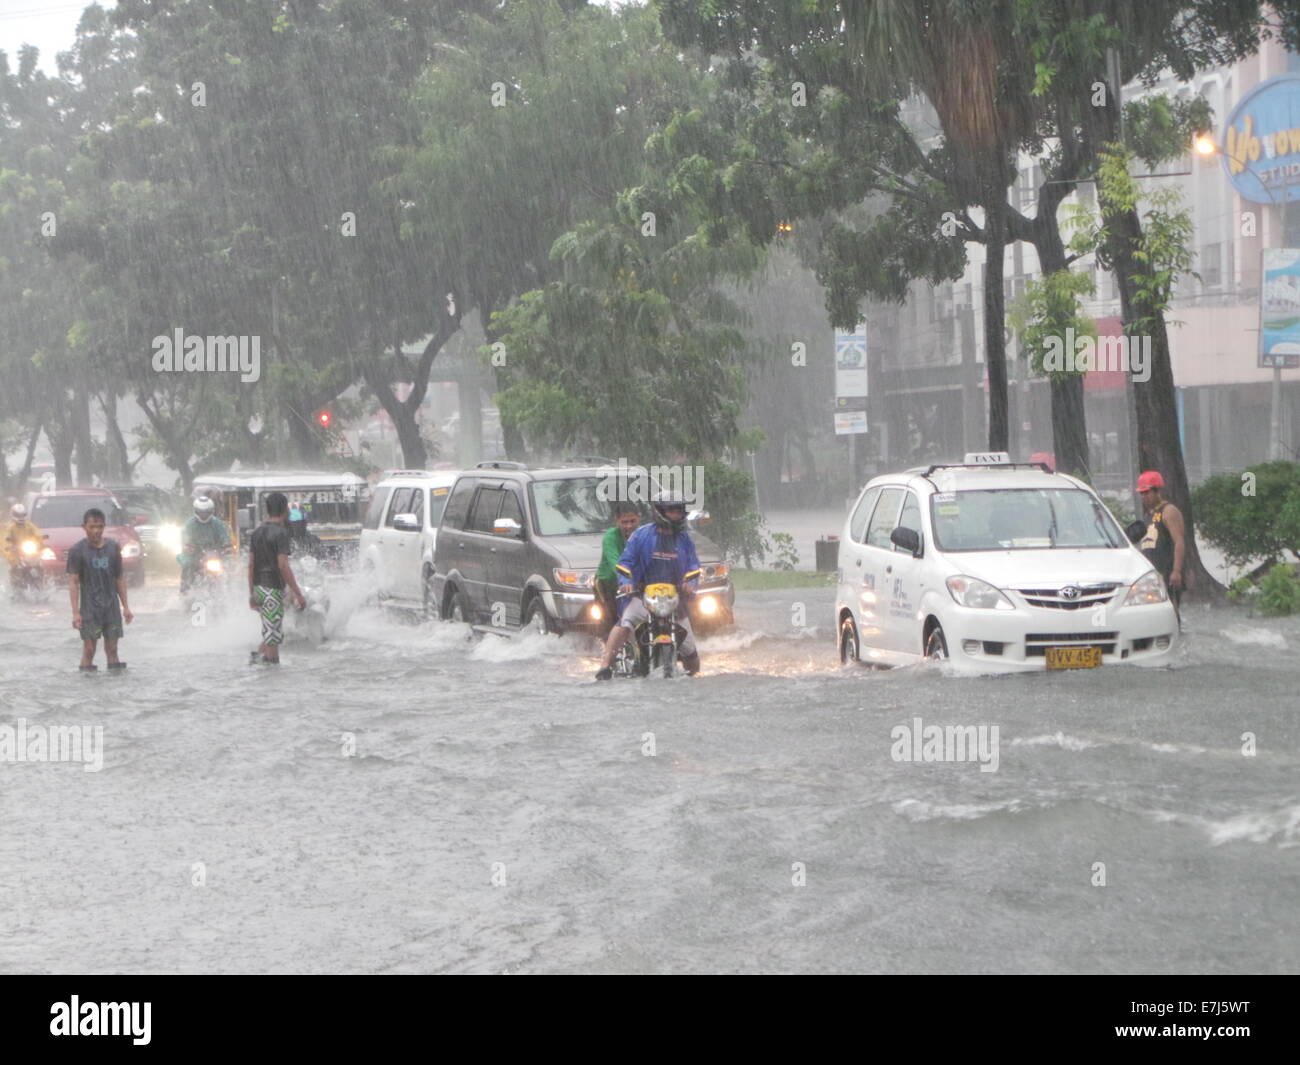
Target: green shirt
x=611 y=549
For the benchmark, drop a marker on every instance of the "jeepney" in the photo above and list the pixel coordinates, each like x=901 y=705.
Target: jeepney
x=332 y=503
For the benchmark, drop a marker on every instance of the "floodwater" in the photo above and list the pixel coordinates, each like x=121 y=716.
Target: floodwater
x=404 y=798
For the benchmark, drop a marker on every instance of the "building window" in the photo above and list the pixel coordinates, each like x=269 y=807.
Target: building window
x=1211 y=270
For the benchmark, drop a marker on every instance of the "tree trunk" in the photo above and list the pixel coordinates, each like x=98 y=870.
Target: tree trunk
x=61 y=446
x=415 y=455
x=1069 y=416
x=1159 y=446
x=118 y=466
x=25 y=470
x=83 y=445
x=995 y=350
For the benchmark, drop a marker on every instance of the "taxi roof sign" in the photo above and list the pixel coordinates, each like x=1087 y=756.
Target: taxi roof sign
x=987 y=458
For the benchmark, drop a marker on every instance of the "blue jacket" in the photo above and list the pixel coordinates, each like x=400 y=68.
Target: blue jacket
x=651 y=556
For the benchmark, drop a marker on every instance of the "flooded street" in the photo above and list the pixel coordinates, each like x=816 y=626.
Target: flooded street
x=405 y=798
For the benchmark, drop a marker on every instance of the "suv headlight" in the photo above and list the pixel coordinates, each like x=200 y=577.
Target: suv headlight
x=971 y=592
x=1149 y=588
x=575 y=578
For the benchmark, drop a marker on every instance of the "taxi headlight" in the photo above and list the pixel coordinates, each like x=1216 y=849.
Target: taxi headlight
x=170 y=537
x=1149 y=588
x=980 y=595
x=130 y=550
x=48 y=555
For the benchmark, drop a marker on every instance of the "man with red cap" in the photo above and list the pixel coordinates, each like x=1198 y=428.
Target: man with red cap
x=1165 y=540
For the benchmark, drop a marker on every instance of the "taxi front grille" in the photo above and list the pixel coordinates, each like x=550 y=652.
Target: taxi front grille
x=1088 y=597
x=1037 y=643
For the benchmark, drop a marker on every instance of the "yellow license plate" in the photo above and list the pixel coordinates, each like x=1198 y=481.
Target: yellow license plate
x=1073 y=657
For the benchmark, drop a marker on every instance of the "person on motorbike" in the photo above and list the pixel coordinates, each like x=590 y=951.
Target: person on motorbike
x=662 y=552
x=18 y=531
x=204 y=532
x=626 y=519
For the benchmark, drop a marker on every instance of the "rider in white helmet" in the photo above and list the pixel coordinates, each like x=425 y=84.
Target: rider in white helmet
x=18 y=530
x=202 y=533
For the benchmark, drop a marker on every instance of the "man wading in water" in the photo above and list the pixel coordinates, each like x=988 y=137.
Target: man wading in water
x=95 y=585
x=269 y=575
x=1164 y=543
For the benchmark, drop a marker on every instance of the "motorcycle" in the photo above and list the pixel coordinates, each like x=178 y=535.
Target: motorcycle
x=208 y=587
x=656 y=642
x=309 y=624
x=26 y=576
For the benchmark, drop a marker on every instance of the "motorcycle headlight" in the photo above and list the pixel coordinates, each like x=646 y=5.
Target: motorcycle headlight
x=213 y=565
x=716 y=572
x=662 y=606
x=575 y=578
x=980 y=595
x=48 y=555
x=29 y=547
x=131 y=551
x=708 y=606
x=1149 y=588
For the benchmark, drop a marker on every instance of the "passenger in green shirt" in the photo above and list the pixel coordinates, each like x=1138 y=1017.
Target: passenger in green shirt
x=626 y=518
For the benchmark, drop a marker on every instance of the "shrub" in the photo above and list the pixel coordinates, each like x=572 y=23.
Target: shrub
x=1279 y=592
x=734 y=522
x=1246 y=527
x=787 y=557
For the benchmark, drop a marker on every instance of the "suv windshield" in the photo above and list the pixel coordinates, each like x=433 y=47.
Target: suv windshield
x=66 y=512
x=1018 y=519
x=575 y=506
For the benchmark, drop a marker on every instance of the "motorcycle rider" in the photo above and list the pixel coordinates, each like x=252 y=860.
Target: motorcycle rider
x=662 y=552
x=202 y=533
x=18 y=530
x=626 y=519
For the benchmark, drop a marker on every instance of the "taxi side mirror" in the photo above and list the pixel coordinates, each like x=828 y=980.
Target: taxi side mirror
x=907 y=539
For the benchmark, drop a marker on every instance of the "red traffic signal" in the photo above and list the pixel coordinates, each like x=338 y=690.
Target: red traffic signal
x=323 y=419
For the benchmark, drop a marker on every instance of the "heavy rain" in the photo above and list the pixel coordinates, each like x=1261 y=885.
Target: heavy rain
x=696 y=486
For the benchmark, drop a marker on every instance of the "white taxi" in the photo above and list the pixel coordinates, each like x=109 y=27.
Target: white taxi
x=999 y=567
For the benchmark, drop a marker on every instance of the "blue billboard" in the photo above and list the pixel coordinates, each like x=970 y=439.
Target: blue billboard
x=1261 y=142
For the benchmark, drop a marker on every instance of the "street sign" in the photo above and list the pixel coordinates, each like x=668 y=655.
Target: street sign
x=854 y=421
x=1279 y=310
x=851 y=381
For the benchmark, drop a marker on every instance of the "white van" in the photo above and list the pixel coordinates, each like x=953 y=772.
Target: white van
x=999 y=567
x=400 y=532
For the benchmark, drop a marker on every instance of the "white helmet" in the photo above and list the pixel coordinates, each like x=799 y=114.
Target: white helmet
x=204 y=508
x=18 y=512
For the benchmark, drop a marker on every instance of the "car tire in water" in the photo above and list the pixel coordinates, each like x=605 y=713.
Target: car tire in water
x=850 y=648
x=455 y=607
x=429 y=609
x=936 y=646
x=536 y=619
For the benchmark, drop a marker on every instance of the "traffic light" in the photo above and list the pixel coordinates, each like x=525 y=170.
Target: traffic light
x=323 y=419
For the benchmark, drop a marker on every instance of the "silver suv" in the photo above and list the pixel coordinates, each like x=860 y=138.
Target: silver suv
x=520 y=547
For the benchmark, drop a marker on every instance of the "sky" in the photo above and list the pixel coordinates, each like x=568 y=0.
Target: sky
x=51 y=25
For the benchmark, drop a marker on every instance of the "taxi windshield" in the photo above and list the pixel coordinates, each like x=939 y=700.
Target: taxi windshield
x=1019 y=519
